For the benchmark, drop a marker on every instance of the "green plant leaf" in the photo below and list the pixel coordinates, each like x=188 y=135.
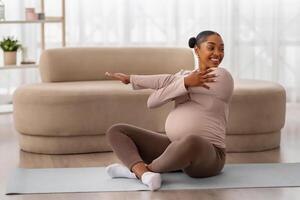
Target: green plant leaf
x=9 y=44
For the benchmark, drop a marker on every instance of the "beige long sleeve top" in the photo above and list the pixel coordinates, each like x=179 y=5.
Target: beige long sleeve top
x=197 y=110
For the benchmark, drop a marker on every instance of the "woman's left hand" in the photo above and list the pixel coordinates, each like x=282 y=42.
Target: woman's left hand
x=124 y=78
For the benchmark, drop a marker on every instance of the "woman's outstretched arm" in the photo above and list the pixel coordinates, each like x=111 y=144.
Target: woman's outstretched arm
x=167 y=87
x=144 y=81
x=154 y=82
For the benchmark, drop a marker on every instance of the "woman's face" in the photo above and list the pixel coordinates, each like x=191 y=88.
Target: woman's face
x=211 y=52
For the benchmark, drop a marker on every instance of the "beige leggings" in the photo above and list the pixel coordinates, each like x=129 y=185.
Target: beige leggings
x=194 y=155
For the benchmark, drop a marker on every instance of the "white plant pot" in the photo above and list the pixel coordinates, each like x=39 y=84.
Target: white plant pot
x=10 y=58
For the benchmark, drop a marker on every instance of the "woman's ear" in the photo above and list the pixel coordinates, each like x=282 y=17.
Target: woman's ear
x=196 y=49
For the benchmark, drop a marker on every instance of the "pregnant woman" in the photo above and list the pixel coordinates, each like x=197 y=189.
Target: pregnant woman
x=195 y=129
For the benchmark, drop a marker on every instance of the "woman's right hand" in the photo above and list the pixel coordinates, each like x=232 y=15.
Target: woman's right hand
x=124 y=78
x=197 y=78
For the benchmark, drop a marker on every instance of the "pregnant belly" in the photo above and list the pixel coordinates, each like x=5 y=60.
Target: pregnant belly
x=186 y=120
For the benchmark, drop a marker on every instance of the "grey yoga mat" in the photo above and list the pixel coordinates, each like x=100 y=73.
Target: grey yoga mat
x=94 y=179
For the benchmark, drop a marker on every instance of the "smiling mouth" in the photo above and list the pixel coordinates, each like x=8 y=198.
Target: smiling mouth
x=215 y=60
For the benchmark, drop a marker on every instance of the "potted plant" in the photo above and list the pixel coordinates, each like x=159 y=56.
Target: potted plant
x=9 y=45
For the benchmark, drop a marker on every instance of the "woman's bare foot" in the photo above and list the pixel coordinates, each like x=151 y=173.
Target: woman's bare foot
x=139 y=169
x=149 y=178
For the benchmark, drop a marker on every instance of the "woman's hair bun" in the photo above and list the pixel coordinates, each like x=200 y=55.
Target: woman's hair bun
x=192 y=42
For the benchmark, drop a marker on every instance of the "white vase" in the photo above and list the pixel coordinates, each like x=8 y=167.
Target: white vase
x=10 y=58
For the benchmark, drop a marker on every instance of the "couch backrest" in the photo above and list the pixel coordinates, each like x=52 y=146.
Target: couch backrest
x=90 y=63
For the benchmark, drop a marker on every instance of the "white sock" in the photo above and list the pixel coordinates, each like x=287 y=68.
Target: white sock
x=152 y=180
x=119 y=171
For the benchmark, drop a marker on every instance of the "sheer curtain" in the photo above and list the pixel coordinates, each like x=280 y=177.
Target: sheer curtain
x=262 y=38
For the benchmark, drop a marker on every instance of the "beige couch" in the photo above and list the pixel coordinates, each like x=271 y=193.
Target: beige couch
x=70 y=111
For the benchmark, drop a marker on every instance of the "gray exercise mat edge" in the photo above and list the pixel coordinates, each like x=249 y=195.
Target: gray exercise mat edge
x=95 y=179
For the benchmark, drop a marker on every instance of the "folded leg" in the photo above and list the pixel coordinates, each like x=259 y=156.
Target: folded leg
x=133 y=144
x=196 y=156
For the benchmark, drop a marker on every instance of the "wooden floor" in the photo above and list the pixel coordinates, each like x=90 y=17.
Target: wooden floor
x=11 y=157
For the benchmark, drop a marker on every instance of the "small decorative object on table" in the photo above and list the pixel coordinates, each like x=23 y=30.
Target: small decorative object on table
x=25 y=59
x=30 y=14
x=41 y=16
x=10 y=46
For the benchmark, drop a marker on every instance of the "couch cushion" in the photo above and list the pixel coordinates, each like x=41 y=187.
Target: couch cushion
x=83 y=108
x=88 y=64
x=90 y=107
